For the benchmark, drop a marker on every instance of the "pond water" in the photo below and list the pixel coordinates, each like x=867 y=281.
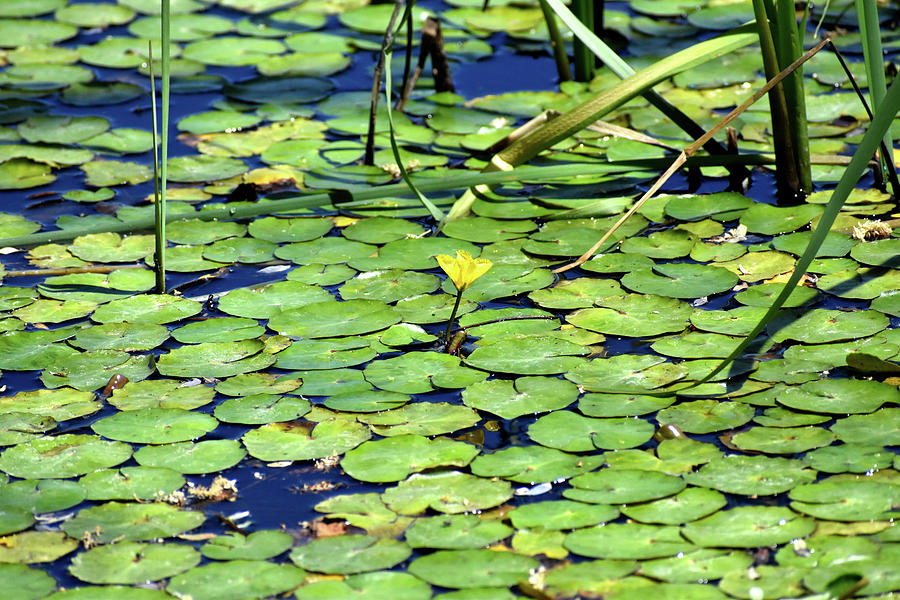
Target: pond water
x=291 y=423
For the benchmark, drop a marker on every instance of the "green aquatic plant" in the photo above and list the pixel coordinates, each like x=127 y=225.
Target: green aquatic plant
x=462 y=270
x=161 y=151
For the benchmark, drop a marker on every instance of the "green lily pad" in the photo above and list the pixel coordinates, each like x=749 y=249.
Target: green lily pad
x=421 y=418
x=509 y=400
x=277 y=229
x=634 y=315
x=839 y=396
x=380 y=585
x=366 y=401
x=455 y=532
x=327 y=319
x=301 y=441
x=473 y=568
x=722 y=206
x=825 y=325
x=528 y=355
x=679 y=280
x=44 y=457
x=688 y=505
x=208 y=456
x=532 y=464
x=748 y=527
x=575 y=293
x=111 y=247
x=108 y=173
x=93 y=369
x=571 y=432
x=348 y=554
x=620 y=486
x=751 y=475
x=621 y=405
x=160 y=393
x=155 y=425
x=235 y=580
x=449 y=492
x=132 y=522
x=764 y=295
x=627 y=541
x=25 y=32
x=259 y=545
x=561 y=514
x=24 y=583
x=329 y=353
x=395 y=458
x=21 y=173
x=626 y=373
x=147 y=309
x=224 y=329
x=772 y=220
x=190 y=169
x=388 y=286
x=843 y=500
x=59 y=405
x=35 y=546
x=706 y=416
x=268 y=300
x=131 y=562
x=258 y=409
x=879 y=427
x=781 y=440
x=240 y=250
x=215 y=359
x=419 y=372
x=864 y=283
x=849 y=458
x=128 y=483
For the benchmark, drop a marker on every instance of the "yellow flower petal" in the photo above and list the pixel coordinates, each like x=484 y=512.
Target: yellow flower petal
x=463 y=270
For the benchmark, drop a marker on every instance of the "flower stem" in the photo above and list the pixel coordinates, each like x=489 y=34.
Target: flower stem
x=453 y=316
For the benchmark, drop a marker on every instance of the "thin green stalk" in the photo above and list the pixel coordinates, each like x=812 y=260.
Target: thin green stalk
x=873 y=55
x=160 y=170
x=556 y=43
x=789 y=47
x=436 y=213
x=584 y=59
x=459 y=294
x=786 y=176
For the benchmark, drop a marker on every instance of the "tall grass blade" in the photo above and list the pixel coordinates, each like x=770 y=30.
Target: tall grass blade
x=159 y=213
x=607 y=100
x=868 y=145
x=436 y=213
x=623 y=70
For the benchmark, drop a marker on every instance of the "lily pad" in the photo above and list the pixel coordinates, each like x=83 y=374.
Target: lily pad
x=208 y=456
x=447 y=492
x=155 y=425
x=571 y=432
x=418 y=372
x=131 y=522
x=215 y=359
x=627 y=541
x=347 y=554
x=634 y=315
x=259 y=545
x=473 y=568
x=680 y=280
x=532 y=464
x=328 y=319
x=131 y=562
x=64 y=455
x=508 y=399
x=235 y=580
x=302 y=441
x=528 y=355
x=751 y=475
x=748 y=527
x=455 y=532
x=395 y=458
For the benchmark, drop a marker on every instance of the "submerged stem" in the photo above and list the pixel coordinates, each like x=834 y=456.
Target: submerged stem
x=459 y=294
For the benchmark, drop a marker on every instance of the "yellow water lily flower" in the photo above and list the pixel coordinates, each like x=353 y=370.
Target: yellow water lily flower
x=463 y=270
